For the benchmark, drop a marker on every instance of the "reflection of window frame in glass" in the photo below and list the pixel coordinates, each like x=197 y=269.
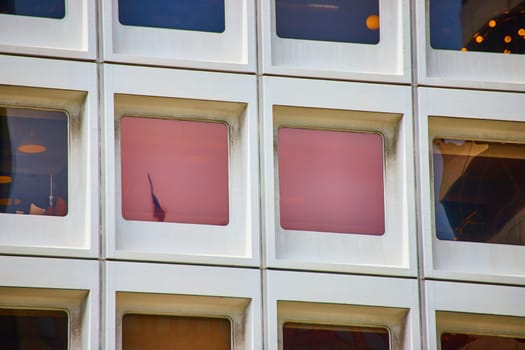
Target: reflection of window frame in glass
x=193 y=98
x=194 y=291
x=454 y=307
x=463 y=69
x=325 y=59
x=34 y=284
x=73 y=36
x=466 y=115
x=70 y=87
x=321 y=109
x=343 y=300
x=231 y=50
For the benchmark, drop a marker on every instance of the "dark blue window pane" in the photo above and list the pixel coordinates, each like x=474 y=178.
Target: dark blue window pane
x=298 y=336
x=478 y=25
x=349 y=21
x=479 y=191
x=34 y=8
x=201 y=15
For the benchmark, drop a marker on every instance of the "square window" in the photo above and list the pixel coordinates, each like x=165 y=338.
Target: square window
x=478 y=26
x=331 y=181
x=479 y=191
x=297 y=336
x=35 y=8
x=34 y=161
x=34 y=329
x=165 y=332
x=200 y=15
x=355 y=21
x=179 y=175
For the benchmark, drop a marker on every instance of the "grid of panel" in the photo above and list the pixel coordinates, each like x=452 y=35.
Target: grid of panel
x=249 y=174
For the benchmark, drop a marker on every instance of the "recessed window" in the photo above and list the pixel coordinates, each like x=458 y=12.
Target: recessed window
x=200 y=15
x=479 y=191
x=174 y=171
x=175 y=332
x=33 y=329
x=470 y=25
x=331 y=181
x=34 y=162
x=349 y=21
x=299 y=336
x=460 y=341
x=34 y=8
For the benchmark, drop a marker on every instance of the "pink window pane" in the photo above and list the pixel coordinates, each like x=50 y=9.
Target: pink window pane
x=331 y=181
x=187 y=163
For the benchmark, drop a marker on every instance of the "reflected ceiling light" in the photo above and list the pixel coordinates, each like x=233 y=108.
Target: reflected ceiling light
x=4 y=179
x=372 y=22
x=31 y=144
x=323 y=6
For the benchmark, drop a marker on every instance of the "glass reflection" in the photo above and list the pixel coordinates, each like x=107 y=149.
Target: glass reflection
x=479 y=191
x=33 y=162
x=331 y=181
x=478 y=25
x=200 y=15
x=299 y=336
x=174 y=170
x=459 y=341
x=161 y=332
x=33 y=329
x=349 y=21
x=34 y=8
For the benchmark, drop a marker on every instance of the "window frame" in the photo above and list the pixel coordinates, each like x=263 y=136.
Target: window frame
x=344 y=300
x=33 y=283
x=69 y=86
x=74 y=36
x=233 y=293
x=232 y=50
x=454 y=68
x=324 y=59
x=485 y=262
x=477 y=300
x=391 y=253
x=234 y=244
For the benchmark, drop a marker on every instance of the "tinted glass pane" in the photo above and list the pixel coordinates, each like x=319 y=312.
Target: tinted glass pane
x=331 y=181
x=478 y=25
x=479 y=191
x=34 y=8
x=297 y=336
x=174 y=171
x=202 y=15
x=33 y=162
x=157 y=332
x=33 y=329
x=456 y=341
x=350 y=21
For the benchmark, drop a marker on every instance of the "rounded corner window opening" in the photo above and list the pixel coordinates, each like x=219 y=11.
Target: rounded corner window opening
x=298 y=335
x=194 y=15
x=141 y=331
x=481 y=26
x=174 y=170
x=34 y=161
x=331 y=181
x=34 y=329
x=346 y=21
x=479 y=190
x=52 y=9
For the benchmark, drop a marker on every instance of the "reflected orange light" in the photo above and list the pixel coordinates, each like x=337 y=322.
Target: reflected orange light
x=32 y=148
x=507 y=39
x=4 y=179
x=492 y=23
x=372 y=22
x=464 y=49
x=9 y=201
x=479 y=39
x=506 y=51
x=521 y=32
